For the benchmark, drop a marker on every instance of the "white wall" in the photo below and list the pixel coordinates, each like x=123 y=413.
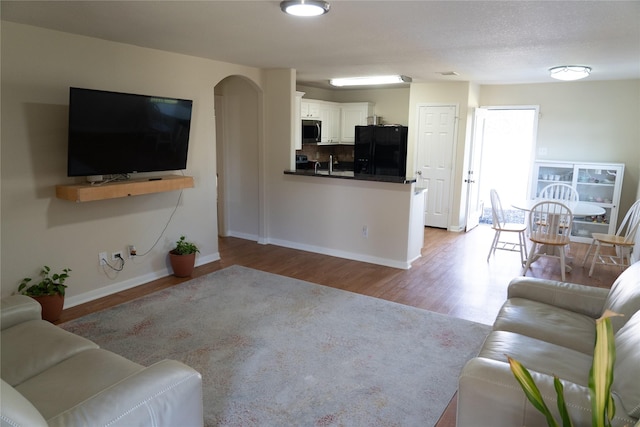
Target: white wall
x=38 y=66
x=591 y=121
x=584 y=121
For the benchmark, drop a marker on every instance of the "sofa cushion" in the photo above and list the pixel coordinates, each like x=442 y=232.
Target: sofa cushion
x=18 y=411
x=17 y=309
x=626 y=371
x=539 y=356
x=35 y=346
x=547 y=323
x=76 y=379
x=624 y=297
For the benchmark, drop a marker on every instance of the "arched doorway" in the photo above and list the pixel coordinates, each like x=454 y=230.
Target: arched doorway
x=238 y=164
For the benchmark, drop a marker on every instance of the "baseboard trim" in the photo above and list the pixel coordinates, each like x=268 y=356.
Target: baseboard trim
x=340 y=254
x=130 y=283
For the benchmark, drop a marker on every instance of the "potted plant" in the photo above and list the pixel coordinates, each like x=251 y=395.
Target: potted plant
x=600 y=380
x=49 y=292
x=183 y=257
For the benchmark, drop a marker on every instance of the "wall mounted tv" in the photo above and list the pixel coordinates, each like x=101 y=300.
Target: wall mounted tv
x=112 y=133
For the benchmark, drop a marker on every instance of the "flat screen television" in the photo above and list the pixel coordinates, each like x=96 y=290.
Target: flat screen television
x=114 y=133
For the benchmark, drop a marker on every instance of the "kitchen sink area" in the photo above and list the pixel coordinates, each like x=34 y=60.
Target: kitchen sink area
x=336 y=173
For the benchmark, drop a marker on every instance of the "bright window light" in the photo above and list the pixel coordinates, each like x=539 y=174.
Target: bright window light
x=370 y=80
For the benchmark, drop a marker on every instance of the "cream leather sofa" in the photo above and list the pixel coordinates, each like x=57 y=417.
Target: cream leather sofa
x=51 y=377
x=549 y=327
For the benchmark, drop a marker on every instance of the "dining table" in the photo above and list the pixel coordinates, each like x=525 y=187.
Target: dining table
x=578 y=209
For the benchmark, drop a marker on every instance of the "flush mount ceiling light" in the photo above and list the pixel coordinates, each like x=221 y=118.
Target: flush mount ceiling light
x=305 y=7
x=570 y=72
x=371 y=80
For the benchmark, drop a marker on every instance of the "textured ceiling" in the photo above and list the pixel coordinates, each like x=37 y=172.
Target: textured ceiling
x=487 y=42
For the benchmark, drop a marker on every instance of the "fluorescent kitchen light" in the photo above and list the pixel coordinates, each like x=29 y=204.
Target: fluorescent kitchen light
x=370 y=80
x=570 y=72
x=305 y=7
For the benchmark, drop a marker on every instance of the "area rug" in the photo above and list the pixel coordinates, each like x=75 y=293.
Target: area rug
x=275 y=351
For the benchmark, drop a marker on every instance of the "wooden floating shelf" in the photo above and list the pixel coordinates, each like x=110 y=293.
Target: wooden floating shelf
x=116 y=189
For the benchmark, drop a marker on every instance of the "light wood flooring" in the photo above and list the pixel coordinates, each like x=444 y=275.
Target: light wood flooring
x=452 y=277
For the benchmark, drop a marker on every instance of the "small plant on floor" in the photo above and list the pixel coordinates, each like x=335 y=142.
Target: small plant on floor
x=184 y=248
x=600 y=380
x=49 y=285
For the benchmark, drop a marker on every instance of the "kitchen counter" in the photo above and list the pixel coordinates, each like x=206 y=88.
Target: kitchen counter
x=342 y=174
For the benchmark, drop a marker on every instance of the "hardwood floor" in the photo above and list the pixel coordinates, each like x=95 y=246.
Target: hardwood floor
x=452 y=277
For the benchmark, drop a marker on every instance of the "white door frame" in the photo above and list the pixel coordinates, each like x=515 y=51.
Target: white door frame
x=452 y=173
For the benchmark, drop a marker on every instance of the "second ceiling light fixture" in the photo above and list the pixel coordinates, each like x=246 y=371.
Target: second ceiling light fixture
x=305 y=7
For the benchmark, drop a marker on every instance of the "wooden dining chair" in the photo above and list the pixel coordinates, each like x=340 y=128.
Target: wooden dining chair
x=550 y=239
x=559 y=191
x=500 y=225
x=622 y=242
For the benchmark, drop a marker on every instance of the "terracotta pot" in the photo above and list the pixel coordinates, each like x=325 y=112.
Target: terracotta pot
x=182 y=265
x=51 y=306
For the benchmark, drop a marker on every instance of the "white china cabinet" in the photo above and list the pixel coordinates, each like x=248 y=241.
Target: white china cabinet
x=598 y=183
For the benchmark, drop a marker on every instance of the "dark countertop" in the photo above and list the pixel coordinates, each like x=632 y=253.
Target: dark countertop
x=342 y=174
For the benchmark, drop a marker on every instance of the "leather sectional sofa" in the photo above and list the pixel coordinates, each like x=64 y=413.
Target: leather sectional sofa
x=51 y=377
x=549 y=326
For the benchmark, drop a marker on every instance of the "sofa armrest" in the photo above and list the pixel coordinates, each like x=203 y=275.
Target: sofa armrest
x=489 y=395
x=167 y=393
x=587 y=300
x=16 y=410
x=17 y=309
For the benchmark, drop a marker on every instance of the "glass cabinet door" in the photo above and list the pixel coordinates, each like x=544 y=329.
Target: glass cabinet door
x=597 y=183
x=549 y=173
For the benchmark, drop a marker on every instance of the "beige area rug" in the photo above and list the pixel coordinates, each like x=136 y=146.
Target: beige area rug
x=275 y=351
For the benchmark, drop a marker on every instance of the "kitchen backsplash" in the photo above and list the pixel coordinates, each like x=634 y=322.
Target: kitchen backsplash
x=321 y=153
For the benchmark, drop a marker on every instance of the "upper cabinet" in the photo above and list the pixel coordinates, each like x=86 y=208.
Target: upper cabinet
x=309 y=109
x=351 y=115
x=598 y=183
x=339 y=120
x=330 y=116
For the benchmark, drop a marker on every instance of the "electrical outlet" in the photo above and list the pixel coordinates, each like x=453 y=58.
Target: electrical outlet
x=365 y=231
x=132 y=251
x=115 y=256
x=102 y=258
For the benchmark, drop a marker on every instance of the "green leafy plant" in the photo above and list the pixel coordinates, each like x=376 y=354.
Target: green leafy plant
x=49 y=285
x=184 y=248
x=600 y=379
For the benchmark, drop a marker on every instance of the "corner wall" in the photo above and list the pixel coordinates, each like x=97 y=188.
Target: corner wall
x=38 y=67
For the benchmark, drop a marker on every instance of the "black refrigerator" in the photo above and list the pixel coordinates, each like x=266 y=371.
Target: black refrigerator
x=381 y=150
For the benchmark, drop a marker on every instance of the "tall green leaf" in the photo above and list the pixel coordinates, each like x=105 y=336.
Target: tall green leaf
x=603 y=407
x=562 y=406
x=531 y=390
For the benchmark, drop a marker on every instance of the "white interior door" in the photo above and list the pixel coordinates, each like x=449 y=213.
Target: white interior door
x=474 y=201
x=436 y=141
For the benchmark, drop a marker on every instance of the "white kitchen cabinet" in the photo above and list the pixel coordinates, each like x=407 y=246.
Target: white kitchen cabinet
x=598 y=183
x=353 y=114
x=309 y=109
x=330 y=116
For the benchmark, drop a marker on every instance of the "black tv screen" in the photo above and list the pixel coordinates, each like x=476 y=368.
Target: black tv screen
x=120 y=133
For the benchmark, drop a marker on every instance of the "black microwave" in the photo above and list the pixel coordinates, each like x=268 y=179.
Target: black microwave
x=311 y=131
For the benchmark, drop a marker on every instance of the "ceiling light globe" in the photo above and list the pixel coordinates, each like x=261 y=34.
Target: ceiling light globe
x=570 y=72
x=305 y=7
